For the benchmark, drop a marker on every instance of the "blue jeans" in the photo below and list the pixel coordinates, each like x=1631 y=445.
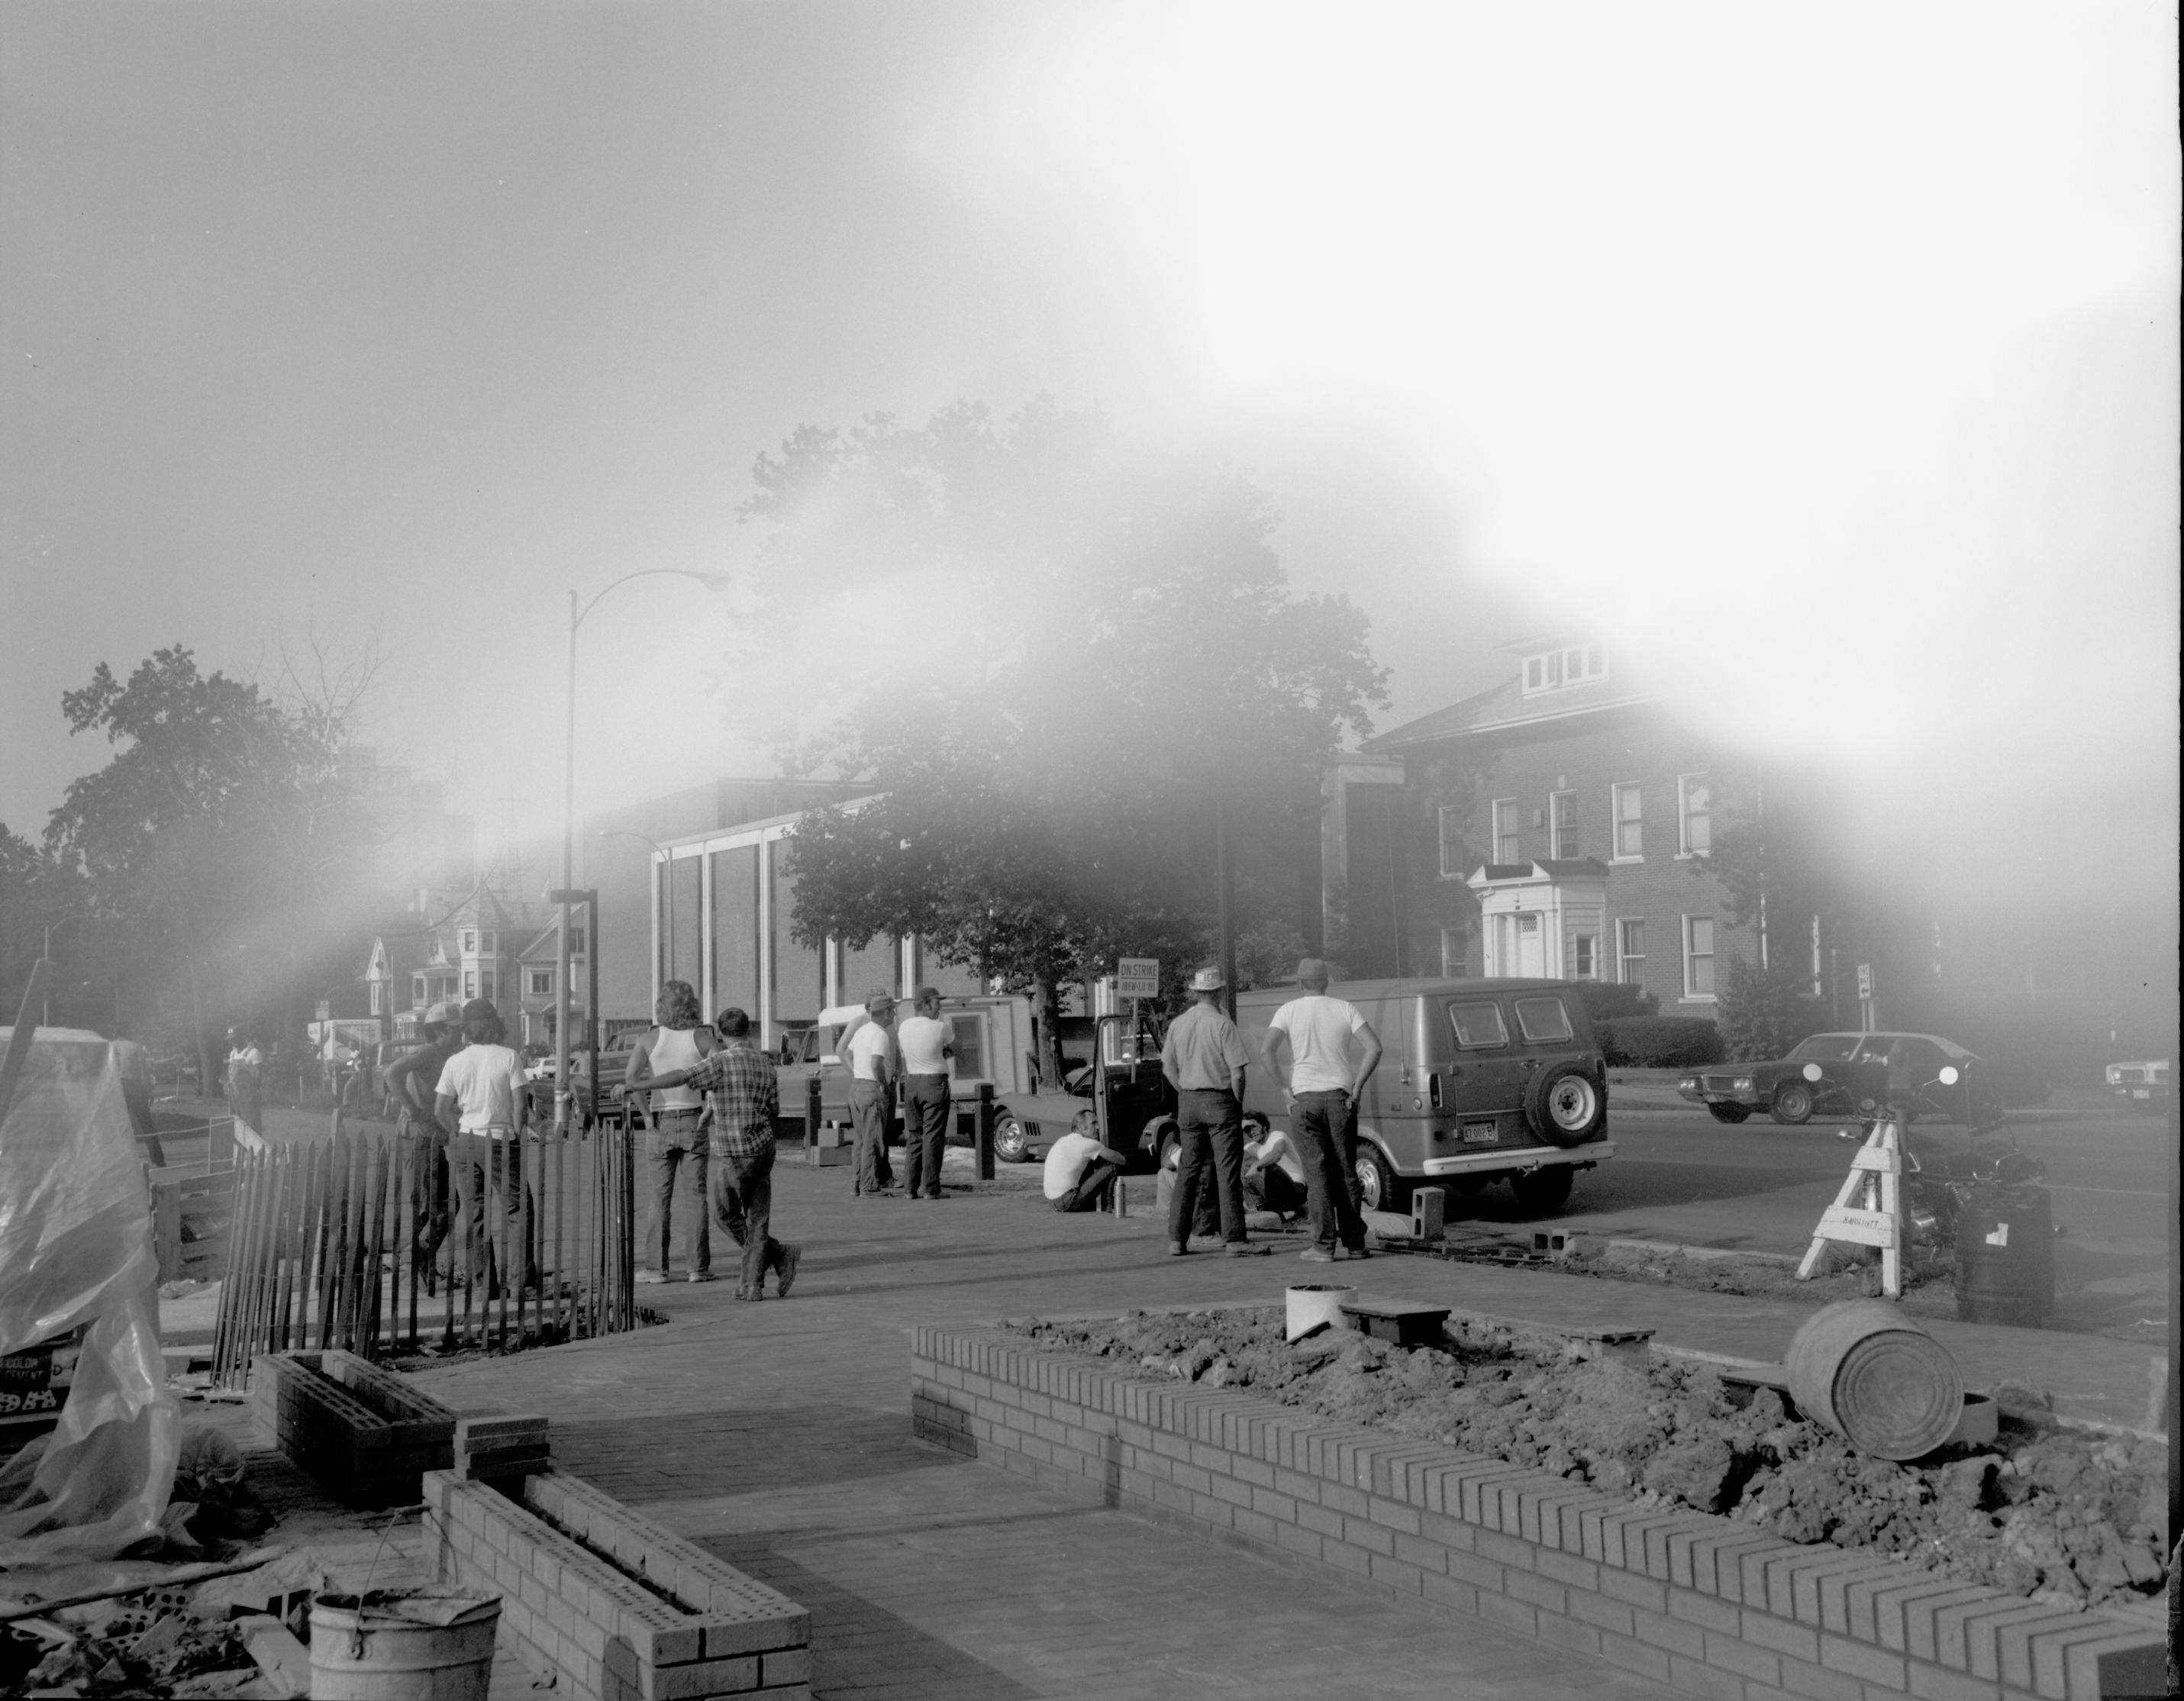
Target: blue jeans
x=674 y=1140
x=743 y=1205
x=924 y=1133
x=1211 y=1124
x=1326 y=1128
x=868 y=1104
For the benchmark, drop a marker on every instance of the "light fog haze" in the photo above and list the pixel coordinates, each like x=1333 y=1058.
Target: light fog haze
x=1822 y=361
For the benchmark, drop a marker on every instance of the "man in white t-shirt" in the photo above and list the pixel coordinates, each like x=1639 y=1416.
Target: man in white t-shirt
x=1332 y=1052
x=925 y=1045
x=1079 y=1169
x=482 y=1101
x=872 y=1091
x=1274 y=1174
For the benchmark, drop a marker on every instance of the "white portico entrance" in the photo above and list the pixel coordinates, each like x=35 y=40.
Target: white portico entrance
x=1542 y=920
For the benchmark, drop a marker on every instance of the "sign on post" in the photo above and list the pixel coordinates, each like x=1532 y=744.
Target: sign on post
x=1865 y=980
x=1137 y=977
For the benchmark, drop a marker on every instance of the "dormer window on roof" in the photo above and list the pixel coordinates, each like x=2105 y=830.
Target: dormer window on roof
x=1553 y=670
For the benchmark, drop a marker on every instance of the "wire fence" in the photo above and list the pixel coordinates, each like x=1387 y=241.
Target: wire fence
x=356 y=1241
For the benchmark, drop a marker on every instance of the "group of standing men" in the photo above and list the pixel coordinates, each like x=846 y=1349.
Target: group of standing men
x=917 y=1050
x=1323 y=1050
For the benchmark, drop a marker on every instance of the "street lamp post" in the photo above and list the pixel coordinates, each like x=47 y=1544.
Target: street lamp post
x=666 y=879
x=563 y=1087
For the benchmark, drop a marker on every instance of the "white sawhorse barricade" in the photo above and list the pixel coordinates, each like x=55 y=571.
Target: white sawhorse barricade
x=1869 y=1212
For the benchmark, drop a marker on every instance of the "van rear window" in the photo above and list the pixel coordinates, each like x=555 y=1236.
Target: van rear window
x=1478 y=1024
x=1543 y=1020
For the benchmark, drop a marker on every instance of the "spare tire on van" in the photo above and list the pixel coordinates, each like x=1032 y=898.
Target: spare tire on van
x=1564 y=1104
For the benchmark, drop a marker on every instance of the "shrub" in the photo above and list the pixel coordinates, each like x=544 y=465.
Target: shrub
x=1766 y=1012
x=1605 y=1001
x=1659 y=1042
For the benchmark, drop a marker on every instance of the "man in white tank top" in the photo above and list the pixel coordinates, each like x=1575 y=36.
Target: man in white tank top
x=677 y=1044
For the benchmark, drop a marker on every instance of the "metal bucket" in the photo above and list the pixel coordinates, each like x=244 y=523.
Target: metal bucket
x=1876 y=1378
x=2005 y=1256
x=403 y=1645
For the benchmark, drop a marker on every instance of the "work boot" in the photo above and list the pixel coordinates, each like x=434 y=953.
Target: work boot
x=700 y=1275
x=651 y=1278
x=1247 y=1249
x=1317 y=1255
x=785 y=1277
x=1175 y=1249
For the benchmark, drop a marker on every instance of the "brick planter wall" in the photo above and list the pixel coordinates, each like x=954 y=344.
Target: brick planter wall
x=1708 y=1606
x=367 y=1434
x=609 y=1603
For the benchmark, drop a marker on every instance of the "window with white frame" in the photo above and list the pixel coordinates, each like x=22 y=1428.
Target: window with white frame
x=1551 y=670
x=1698 y=957
x=1505 y=829
x=379 y=998
x=1562 y=814
x=485 y=943
x=1450 y=820
x=1693 y=815
x=1631 y=951
x=1584 y=956
x=469 y=984
x=1629 y=810
x=488 y=984
x=576 y=941
x=1452 y=943
x=542 y=983
x=470 y=943
x=416 y=989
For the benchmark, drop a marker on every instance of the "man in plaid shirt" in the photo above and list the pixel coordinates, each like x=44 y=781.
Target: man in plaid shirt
x=737 y=1082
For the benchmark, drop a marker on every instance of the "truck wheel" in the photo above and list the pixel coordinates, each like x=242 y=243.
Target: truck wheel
x=1729 y=1113
x=1011 y=1143
x=1379 y=1187
x=1565 y=1105
x=1543 y=1190
x=1793 y=1104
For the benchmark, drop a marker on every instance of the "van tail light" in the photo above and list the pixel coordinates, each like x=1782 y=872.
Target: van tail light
x=1432 y=1086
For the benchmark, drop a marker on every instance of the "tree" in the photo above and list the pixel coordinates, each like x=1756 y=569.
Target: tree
x=221 y=833
x=1142 y=679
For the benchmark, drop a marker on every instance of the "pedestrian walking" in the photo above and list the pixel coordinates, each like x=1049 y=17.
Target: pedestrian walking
x=675 y=1044
x=872 y=1091
x=1204 y=1061
x=1332 y=1052
x=737 y=1082
x=246 y=1080
x=925 y=1044
x=412 y=1081
x=481 y=1102
x=1080 y=1167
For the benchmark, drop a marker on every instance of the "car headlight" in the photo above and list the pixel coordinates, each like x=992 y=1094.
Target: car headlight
x=1689 y=1084
x=1742 y=1084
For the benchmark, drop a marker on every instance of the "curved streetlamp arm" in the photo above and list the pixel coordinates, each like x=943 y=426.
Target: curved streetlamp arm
x=711 y=581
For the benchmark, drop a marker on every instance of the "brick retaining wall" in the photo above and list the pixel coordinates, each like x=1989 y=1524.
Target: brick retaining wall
x=609 y=1603
x=1707 y=1605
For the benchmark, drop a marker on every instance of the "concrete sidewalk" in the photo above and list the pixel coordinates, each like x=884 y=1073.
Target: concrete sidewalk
x=777 y=1435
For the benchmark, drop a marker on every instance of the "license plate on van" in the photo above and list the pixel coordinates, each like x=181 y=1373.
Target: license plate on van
x=1479 y=1133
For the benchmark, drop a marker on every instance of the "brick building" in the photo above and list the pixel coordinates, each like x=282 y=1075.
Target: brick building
x=1549 y=825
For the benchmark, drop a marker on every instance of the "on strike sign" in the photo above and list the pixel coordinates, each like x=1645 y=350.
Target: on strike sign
x=1137 y=977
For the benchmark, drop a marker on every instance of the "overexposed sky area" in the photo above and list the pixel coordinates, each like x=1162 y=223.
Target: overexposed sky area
x=1824 y=358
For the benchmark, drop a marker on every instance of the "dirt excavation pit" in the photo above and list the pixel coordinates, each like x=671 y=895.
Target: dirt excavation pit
x=2044 y=1512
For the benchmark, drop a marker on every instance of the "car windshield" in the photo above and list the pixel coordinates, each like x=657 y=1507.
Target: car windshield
x=1543 y=1019
x=1478 y=1024
x=1825 y=1048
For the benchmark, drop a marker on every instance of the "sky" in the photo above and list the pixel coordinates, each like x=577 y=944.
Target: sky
x=1823 y=358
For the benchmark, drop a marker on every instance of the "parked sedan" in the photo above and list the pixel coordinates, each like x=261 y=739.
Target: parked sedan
x=1854 y=1068
x=2144 y=1080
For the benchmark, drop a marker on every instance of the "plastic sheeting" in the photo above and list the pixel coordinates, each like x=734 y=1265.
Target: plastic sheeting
x=75 y=1249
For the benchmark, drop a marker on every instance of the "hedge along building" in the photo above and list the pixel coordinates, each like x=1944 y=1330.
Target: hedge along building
x=1551 y=825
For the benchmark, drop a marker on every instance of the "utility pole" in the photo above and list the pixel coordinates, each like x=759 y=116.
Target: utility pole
x=1226 y=901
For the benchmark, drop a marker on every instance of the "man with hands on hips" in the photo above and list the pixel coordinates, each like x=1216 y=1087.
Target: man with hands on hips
x=1332 y=1052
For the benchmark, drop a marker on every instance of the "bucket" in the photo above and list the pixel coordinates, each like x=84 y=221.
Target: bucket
x=403 y=1645
x=1876 y=1379
x=2005 y=1256
x=1313 y=1304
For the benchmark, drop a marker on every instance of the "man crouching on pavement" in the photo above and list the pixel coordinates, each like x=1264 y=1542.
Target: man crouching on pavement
x=737 y=1081
x=1080 y=1171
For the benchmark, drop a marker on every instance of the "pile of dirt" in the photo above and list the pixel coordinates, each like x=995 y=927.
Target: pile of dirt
x=2044 y=1512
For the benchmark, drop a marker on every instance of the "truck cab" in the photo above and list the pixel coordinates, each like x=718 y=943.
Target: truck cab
x=1479 y=1081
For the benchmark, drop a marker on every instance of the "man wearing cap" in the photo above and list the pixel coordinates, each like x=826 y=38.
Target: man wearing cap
x=1203 y=1059
x=924 y=1044
x=482 y=1100
x=1333 y=1051
x=871 y=1090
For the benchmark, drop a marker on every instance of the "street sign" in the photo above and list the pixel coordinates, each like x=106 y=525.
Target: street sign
x=1137 y=977
x=1865 y=980
x=325 y=1009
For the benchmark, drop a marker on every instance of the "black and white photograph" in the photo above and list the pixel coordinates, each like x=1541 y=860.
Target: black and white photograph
x=1535 y=643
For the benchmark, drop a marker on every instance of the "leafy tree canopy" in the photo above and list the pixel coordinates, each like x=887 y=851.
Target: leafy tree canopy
x=1047 y=800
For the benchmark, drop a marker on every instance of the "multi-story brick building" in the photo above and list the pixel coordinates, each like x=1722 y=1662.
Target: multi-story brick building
x=1550 y=825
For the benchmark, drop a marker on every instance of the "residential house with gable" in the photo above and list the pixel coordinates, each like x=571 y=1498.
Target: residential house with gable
x=1550 y=825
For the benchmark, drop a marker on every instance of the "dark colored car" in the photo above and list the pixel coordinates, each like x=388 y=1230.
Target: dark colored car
x=1902 y=1069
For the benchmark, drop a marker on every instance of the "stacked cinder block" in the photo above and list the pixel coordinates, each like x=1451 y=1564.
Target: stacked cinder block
x=613 y=1606
x=1709 y=1606
x=367 y=1434
x=492 y=1445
